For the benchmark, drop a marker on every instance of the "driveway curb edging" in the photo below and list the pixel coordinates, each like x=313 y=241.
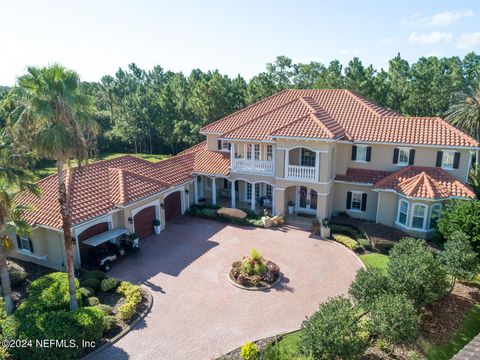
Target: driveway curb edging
x=125 y=331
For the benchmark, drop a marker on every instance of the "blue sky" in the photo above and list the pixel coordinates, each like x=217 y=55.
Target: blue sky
x=97 y=37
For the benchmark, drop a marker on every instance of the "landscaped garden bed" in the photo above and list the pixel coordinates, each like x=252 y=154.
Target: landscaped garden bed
x=254 y=272
x=228 y=215
x=107 y=307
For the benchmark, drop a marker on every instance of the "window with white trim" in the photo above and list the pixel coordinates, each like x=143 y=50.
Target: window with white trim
x=435 y=215
x=268 y=191
x=361 y=153
x=418 y=216
x=208 y=184
x=269 y=152
x=448 y=157
x=249 y=191
x=403 y=212
x=257 y=151
x=403 y=156
x=307 y=157
x=25 y=243
x=225 y=145
x=248 y=152
x=357 y=200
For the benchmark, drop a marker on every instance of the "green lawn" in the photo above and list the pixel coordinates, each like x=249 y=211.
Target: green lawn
x=47 y=167
x=375 y=260
x=285 y=349
x=468 y=329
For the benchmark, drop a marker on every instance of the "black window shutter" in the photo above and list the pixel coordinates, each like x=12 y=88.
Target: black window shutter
x=236 y=185
x=219 y=144
x=225 y=183
x=349 y=199
x=229 y=146
x=369 y=154
x=19 y=242
x=364 y=201
x=354 y=152
x=31 y=244
x=411 y=158
x=395 y=156
x=456 y=160
x=439 y=158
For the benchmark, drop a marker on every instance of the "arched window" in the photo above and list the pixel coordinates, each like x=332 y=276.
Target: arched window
x=403 y=212
x=435 y=215
x=418 y=216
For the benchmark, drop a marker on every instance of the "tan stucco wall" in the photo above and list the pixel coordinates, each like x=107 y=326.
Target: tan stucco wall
x=212 y=142
x=340 y=200
x=387 y=208
x=382 y=159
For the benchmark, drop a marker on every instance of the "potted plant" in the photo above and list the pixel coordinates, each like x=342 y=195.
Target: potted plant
x=291 y=205
x=325 y=229
x=156 y=226
x=133 y=236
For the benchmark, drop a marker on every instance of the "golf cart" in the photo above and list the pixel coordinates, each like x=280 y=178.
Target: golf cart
x=108 y=246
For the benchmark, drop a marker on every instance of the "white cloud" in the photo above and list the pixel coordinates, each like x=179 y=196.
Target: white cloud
x=386 y=40
x=469 y=41
x=347 y=51
x=437 y=20
x=433 y=38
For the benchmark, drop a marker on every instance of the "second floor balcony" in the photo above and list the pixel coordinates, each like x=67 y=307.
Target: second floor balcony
x=265 y=167
x=253 y=158
x=302 y=164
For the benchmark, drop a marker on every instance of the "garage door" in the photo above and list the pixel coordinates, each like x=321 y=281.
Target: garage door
x=173 y=207
x=143 y=222
x=88 y=233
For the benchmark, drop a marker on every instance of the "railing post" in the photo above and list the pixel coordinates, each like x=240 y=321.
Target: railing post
x=286 y=162
x=214 y=191
x=317 y=165
x=233 y=193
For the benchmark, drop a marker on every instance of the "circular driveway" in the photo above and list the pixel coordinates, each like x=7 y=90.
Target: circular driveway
x=198 y=314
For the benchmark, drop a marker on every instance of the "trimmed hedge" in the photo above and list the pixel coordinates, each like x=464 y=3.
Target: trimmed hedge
x=133 y=297
x=95 y=274
x=92 y=301
x=345 y=240
x=109 y=284
x=92 y=283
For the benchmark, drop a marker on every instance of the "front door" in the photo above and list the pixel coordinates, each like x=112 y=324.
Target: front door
x=306 y=199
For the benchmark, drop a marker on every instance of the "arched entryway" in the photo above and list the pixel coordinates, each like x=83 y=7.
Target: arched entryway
x=89 y=233
x=173 y=205
x=143 y=221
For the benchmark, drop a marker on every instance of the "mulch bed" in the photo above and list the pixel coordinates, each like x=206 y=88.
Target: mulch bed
x=34 y=271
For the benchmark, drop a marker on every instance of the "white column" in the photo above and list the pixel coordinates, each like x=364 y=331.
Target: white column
x=214 y=191
x=232 y=155
x=253 y=197
x=252 y=149
x=233 y=193
x=195 y=189
x=286 y=162
x=317 y=163
x=273 y=201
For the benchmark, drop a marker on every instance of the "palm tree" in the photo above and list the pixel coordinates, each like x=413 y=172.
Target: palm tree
x=13 y=178
x=54 y=113
x=466 y=113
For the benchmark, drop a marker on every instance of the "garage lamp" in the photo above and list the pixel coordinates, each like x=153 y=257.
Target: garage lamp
x=74 y=240
x=130 y=220
x=162 y=205
x=186 y=191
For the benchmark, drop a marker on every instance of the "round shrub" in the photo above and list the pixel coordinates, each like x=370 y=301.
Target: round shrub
x=231 y=213
x=249 y=351
x=17 y=273
x=106 y=309
x=86 y=292
x=414 y=271
x=127 y=310
x=49 y=292
x=132 y=293
x=109 y=284
x=345 y=240
x=92 y=283
x=368 y=284
x=333 y=332
x=393 y=317
x=95 y=274
x=109 y=322
x=92 y=301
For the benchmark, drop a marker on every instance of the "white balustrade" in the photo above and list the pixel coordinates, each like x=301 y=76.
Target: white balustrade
x=308 y=173
x=253 y=166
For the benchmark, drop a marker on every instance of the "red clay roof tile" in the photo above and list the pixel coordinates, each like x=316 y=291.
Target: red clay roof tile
x=365 y=176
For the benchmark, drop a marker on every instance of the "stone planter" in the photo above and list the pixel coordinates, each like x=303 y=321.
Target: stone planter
x=157 y=229
x=325 y=232
x=290 y=210
x=267 y=222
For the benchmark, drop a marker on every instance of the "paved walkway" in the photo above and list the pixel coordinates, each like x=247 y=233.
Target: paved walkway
x=197 y=314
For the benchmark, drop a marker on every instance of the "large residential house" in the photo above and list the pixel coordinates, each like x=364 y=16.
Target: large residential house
x=320 y=152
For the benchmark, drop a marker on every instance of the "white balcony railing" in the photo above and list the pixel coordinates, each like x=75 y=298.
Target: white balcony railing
x=307 y=173
x=264 y=167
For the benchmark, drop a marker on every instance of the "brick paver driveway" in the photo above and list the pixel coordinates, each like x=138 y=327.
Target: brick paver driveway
x=197 y=314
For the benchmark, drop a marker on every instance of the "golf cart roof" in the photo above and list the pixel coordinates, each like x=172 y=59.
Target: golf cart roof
x=105 y=236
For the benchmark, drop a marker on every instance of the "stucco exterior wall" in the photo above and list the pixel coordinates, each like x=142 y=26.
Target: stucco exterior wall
x=387 y=208
x=212 y=142
x=340 y=201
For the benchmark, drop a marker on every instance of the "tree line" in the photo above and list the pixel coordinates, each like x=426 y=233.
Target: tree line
x=159 y=111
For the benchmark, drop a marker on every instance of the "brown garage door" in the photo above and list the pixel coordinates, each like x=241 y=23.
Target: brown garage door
x=143 y=222
x=173 y=207
x=88 y=233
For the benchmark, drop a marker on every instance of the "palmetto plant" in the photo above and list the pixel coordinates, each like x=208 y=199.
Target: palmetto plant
x=14 y=177
x=466 y=113
x=53 y=113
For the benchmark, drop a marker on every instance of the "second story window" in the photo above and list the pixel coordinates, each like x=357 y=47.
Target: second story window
x=24 y=243
x=361 y=153
x=403 y=156
x=248 y=152
x=448 y=159
x=257 y=151
x=307 y=157
x=269 y=152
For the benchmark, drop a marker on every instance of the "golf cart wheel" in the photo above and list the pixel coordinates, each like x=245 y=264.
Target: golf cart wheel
x=107 y=266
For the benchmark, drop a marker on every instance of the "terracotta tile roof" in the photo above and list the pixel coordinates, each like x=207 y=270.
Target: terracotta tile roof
x=362 y=175
x=343 y=113
x=212 y=162
x=194 y=148
x=425 y=182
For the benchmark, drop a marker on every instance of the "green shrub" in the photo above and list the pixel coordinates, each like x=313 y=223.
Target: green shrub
x=109 y=284
x=393 y=317
x=4 y=353
x=130 y=292
x=106 y=309
x=333 y=332
x=86 y=292
x=92 y=283
x=249 y=351
x=3 y=311
x=364 y=243
x=95 y=274
x=346 y=230
x=109 y=322
x=17 y=273
x=49 y=292
x=414 y=271
x=345 y=240
x=92 y=301
x=127 y=310
x=384 y=246
x=83 y=324
x=461 y=215
x=368 y=284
